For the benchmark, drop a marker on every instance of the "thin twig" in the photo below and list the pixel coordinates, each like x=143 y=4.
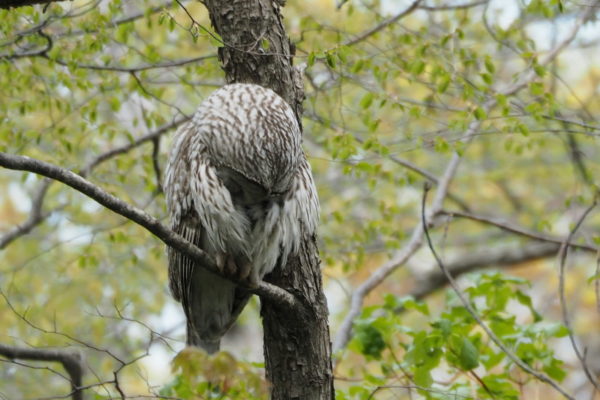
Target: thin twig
x=36 y=216
x=597 y=282
x=155 y=163
x=117 y=22
x=370 y=32
x=562 y=256
x=137 y=142
x=37 y=53
x=451 y=7
x=513 y=228
x=116 y=68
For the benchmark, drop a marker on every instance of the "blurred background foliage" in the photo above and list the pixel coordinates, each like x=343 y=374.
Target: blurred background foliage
x=99 y=86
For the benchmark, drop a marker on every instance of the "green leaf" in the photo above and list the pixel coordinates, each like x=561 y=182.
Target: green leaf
x=370 y=339
x=526 y=301
x=342 y=53
x=367 y=100
x=311 y=59
x=489 y=65
x=539 y=70
x=417 y=67
x=555 y=369
x=444 y=83
x=536 y=88
x=480 y=113
x=593 y=278
x=422 y=377
x=330 y=59
x=487 y=78
x=468 y=356
x=500 y=386
x=523 y=129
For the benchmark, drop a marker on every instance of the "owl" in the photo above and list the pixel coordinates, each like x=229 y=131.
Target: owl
x=239 y=187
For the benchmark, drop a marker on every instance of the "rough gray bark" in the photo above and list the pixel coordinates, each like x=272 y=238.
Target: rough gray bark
x=296 y=345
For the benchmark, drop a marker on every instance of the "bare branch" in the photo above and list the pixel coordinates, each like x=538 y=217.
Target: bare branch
x=23 y=163
x=597 y=282
x=71 y=360
x=36 y=216
x=513 y=228
x=562 y=256
x=400 y=161
x=43 y=52
x=137 y=142
x=116 y=68
x=488 y=258
x=453 y=6
x=155 y=163
x=370 y=32
x=115 y=23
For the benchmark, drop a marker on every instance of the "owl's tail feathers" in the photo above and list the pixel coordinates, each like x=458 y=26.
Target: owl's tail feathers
x=194 y=339
x=211 y=308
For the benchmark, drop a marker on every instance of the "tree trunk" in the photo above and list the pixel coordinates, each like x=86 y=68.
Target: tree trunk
x=297 y=347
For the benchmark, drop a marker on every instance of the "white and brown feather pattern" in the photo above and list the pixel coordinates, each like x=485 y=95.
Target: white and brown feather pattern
x=237 y=185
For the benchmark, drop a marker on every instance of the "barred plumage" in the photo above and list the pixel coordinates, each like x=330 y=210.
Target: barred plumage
x=238 y=185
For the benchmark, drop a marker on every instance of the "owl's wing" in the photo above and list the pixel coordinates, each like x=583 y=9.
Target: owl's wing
x=202 y=211
x=211 y=303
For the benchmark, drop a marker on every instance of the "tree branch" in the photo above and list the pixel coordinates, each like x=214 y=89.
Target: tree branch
x=453 y=7
x=20 y=3
x=36 y=216
x=562 y=256
x=116 y=68
x=416 y=240
x=125 y=148
x=513 y=357
x=370 y=32
x=117 y=22
x=71 y=361
x=37 y=53
x=489 y=258
x=23 y=163
x=513 y=228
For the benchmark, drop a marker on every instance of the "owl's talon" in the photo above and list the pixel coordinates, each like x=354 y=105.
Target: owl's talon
x=228 y=266
x=231 y=267
x=253 y=280
x=220 y=260
x=245 y=270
